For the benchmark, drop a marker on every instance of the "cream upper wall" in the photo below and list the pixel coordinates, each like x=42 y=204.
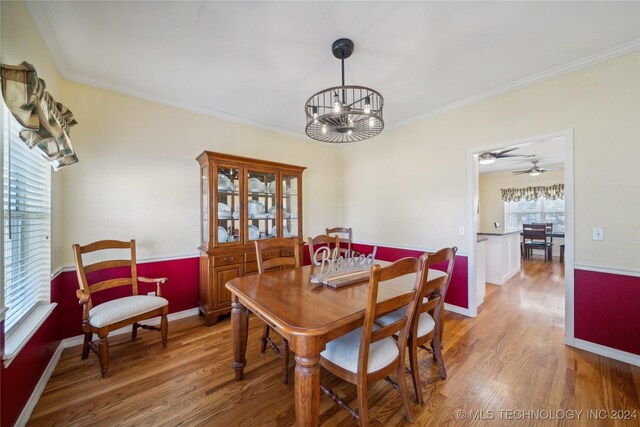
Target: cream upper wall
x=137 y=175
x=409 y=186
x=21 y=41
x=491 y=203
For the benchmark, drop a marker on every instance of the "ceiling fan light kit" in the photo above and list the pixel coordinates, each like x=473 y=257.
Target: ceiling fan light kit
x=535 y=170
x=344 y=113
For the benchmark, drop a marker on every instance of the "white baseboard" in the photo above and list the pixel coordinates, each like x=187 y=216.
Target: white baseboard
x=37 y=392
x=456 y=309
x=609 y=352
x=79 y=339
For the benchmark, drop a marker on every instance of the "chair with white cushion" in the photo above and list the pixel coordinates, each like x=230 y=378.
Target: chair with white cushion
x=370 y=353
x=108 y=316
x=426 y=326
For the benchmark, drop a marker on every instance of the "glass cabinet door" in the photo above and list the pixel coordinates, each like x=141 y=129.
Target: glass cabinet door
x=290 y=205
x=204 y=204
x=228 y=204
x=262 y=205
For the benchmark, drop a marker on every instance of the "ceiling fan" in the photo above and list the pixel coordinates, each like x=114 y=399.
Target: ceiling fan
x=489 y=157
x=535 y=170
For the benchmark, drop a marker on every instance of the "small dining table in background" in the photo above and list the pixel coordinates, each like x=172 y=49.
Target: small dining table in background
x=308 y=315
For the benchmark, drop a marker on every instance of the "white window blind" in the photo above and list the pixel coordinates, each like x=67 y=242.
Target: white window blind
x=27 y=225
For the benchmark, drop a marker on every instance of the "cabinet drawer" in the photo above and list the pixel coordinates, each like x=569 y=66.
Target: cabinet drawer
x=229 y=259
x=251 y=256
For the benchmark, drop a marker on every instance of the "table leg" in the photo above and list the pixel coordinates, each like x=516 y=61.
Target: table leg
x=307 y=387
x=239 y=330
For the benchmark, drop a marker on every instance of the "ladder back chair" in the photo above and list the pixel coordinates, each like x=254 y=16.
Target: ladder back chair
x=370 y=353
x=277 y=254
x=427 y=323
x=108 y=316
x=534 y=236
x=320 y=241
x=346 y=239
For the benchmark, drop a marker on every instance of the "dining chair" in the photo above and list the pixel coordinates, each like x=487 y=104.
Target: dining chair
x=534 y=236
x=370 y=353
x=322 y=240
x=428 y=321
x=115 y=313
x=278 y=253
x=346 y=239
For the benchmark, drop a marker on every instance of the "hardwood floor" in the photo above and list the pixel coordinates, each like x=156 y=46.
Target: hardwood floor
x=510 y=358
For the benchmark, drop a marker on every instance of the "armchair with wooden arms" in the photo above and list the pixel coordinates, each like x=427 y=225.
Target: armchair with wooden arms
x=108 y=316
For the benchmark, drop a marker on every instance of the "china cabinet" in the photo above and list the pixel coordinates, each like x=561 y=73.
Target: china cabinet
x=241 y=200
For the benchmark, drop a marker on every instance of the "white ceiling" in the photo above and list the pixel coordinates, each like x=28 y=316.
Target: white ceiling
x=258 y=62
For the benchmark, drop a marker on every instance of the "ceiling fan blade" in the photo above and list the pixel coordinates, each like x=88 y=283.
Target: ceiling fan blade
x=520 y=172
x=499 y=156
x=501 y=152
x=553 y=169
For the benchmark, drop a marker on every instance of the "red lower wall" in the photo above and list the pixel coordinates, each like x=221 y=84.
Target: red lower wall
x=607 y=309
x=606 y=313
x=21 y=377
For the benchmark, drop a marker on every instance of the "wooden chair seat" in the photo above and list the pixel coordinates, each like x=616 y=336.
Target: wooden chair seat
x=343 y=351
x=120 y=309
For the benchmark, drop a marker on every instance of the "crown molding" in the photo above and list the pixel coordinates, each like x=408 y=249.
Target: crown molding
x=40 y=18
x=615 y=52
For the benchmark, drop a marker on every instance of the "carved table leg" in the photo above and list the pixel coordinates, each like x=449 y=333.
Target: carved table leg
x=239 y=329
x=307 y=387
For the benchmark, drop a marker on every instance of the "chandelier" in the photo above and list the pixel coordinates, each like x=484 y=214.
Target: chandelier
x=344 y=113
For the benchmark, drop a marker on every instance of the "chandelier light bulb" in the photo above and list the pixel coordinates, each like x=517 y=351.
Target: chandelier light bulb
x=315 y=114
x=372 y=122
x=324 y=129
x=367 y=105
x=349 y=132
x=336 y=104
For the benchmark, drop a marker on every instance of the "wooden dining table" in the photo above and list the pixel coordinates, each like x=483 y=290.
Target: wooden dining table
x=308 y=315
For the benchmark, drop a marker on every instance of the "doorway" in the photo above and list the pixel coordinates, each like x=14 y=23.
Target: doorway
x=550 y=152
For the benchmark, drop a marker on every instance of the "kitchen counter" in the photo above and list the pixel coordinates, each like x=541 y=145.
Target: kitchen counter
x=502 y=255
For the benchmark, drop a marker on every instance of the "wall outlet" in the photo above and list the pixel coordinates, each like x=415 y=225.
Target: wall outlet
x=461 y=231
x=151 y=294
x=598 y=234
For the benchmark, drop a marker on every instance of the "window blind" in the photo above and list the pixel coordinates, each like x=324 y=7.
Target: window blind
x=27 y=225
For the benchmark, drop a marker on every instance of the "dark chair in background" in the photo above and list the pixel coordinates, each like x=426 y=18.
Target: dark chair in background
x=534 y=237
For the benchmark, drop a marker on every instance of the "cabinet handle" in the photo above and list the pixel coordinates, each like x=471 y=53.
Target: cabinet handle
x=228 y=260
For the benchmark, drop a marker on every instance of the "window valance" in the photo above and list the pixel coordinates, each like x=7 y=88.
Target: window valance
x=46 y=123
x=552 y=192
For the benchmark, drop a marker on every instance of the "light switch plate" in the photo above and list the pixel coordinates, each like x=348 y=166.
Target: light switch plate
x=598 y=234
x=461 y=231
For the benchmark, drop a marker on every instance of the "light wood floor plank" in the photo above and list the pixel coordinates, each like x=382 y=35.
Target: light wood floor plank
x=510 y=357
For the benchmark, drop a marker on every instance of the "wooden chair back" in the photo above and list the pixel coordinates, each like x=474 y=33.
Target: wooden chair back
x=376 y=309
x=288 y=254
x=435 y=290
x=322 y=240
x=346 y=238
x=83 y=270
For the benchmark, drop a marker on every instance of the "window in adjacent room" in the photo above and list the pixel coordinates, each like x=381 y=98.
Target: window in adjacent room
x=26 y=225
x=542 y=210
